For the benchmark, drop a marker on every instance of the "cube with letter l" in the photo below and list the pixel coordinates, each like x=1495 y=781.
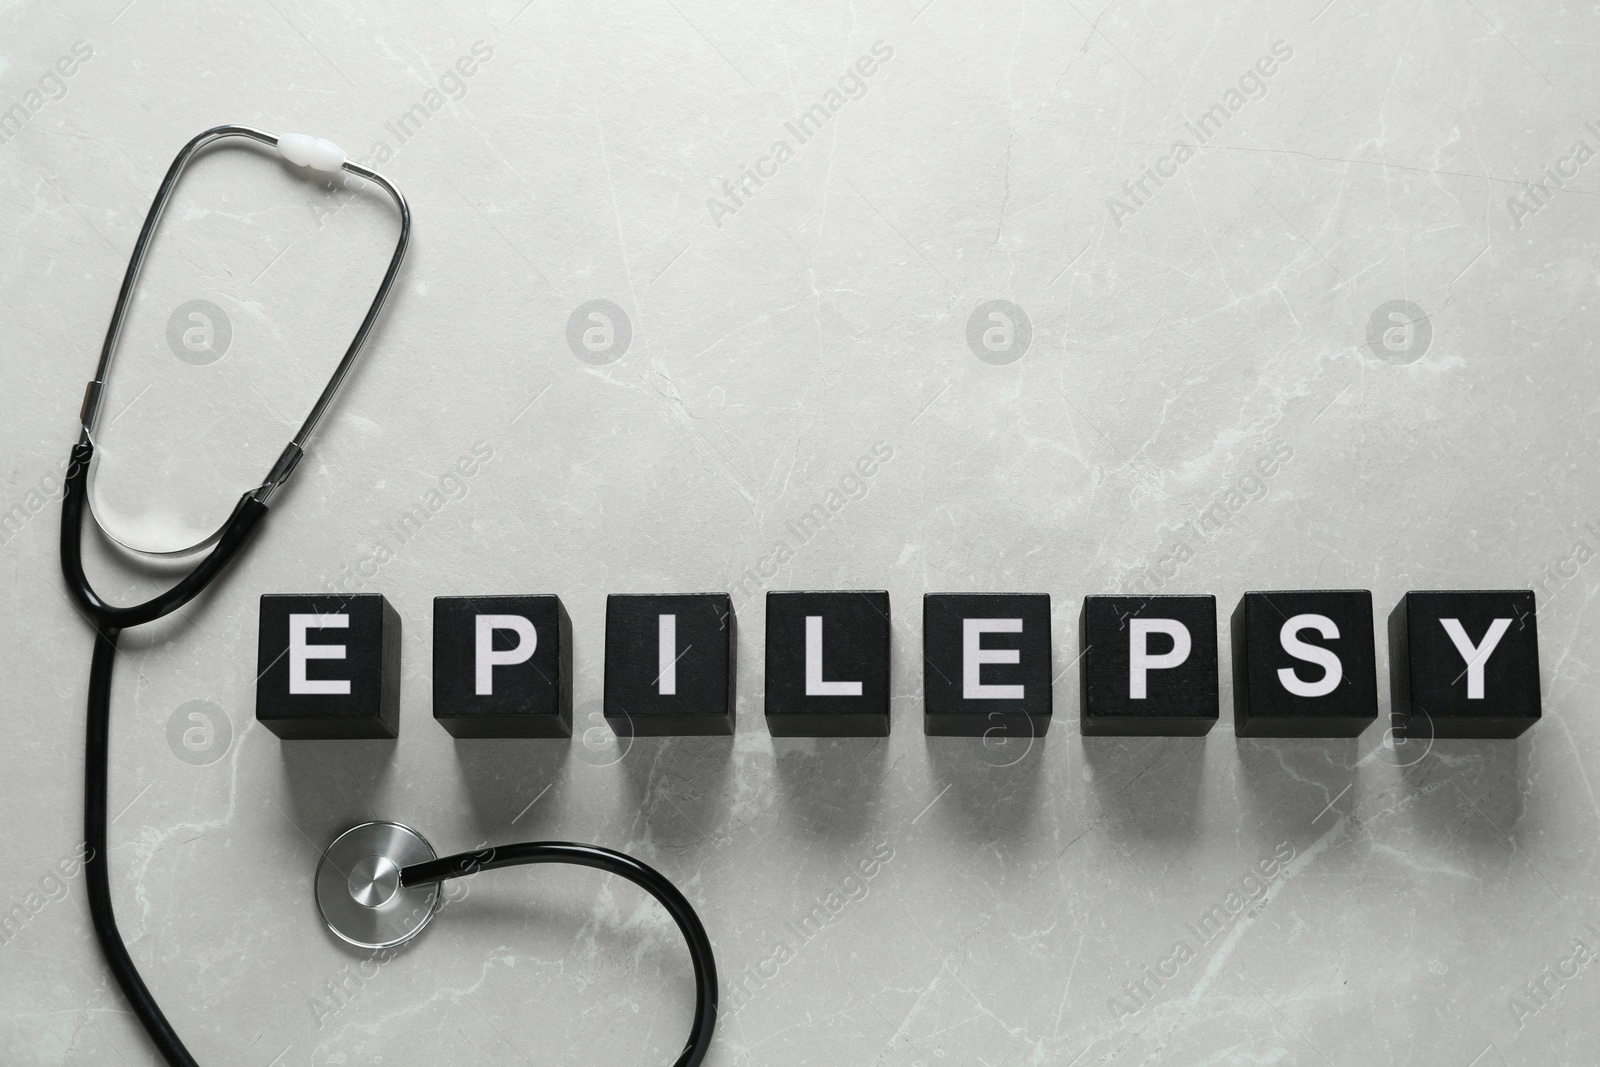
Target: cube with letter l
x=828 y=663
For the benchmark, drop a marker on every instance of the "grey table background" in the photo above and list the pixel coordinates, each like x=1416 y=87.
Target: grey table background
x=1221 y=317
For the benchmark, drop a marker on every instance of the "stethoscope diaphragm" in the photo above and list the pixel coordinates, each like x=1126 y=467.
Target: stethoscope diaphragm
x=358 y=885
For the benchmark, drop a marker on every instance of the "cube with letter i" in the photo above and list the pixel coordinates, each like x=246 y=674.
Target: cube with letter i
x=328 y=666
x=669 y=664
x=1465 y=663
x=1148 y=665
x=986 y=664
x=502 y=666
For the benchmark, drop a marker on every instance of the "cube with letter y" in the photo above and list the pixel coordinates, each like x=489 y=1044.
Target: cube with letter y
x=1465 y=663
x=328 y=666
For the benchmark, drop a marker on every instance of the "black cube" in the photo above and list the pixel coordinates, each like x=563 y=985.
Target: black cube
x=1148 y=665
x=1465 y=663
x=669 y=664
x=1304 y=664
x=986 y=664
x=502 y=666
x=828 y=664
x=328 y=666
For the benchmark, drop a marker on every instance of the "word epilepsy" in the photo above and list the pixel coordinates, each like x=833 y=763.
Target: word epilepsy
x=1462 y=664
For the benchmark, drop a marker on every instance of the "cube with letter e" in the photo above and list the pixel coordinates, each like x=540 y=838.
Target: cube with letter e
x=986 y=664
x=502 y=666
x=328 y=666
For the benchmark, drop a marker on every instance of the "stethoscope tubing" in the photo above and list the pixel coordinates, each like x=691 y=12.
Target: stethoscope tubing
x=109 y=622
x=623 y=866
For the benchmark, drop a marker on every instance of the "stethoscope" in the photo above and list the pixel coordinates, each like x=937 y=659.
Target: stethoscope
x=378 y=884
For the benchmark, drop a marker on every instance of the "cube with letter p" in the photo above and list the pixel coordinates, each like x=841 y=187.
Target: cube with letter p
x=1148 y=665
x=502 y=666
x=328 y=666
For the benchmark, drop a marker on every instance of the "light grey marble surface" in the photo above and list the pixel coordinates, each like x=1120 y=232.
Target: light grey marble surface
x=1175 y=337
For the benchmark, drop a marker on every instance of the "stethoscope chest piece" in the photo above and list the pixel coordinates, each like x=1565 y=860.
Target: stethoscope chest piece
x=359 y=891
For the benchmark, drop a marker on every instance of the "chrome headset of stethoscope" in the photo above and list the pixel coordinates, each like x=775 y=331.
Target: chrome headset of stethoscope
x=377 y=884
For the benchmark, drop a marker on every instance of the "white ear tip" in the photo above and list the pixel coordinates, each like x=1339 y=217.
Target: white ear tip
x=325 y=155
x=296 y=148
x=303 y=150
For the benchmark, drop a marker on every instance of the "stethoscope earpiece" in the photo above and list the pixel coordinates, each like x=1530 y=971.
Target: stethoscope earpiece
x=358 y=885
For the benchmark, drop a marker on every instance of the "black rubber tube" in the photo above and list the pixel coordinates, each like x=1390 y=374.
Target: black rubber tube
x=109 y=621
x=97 y=756
x=640 y=874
